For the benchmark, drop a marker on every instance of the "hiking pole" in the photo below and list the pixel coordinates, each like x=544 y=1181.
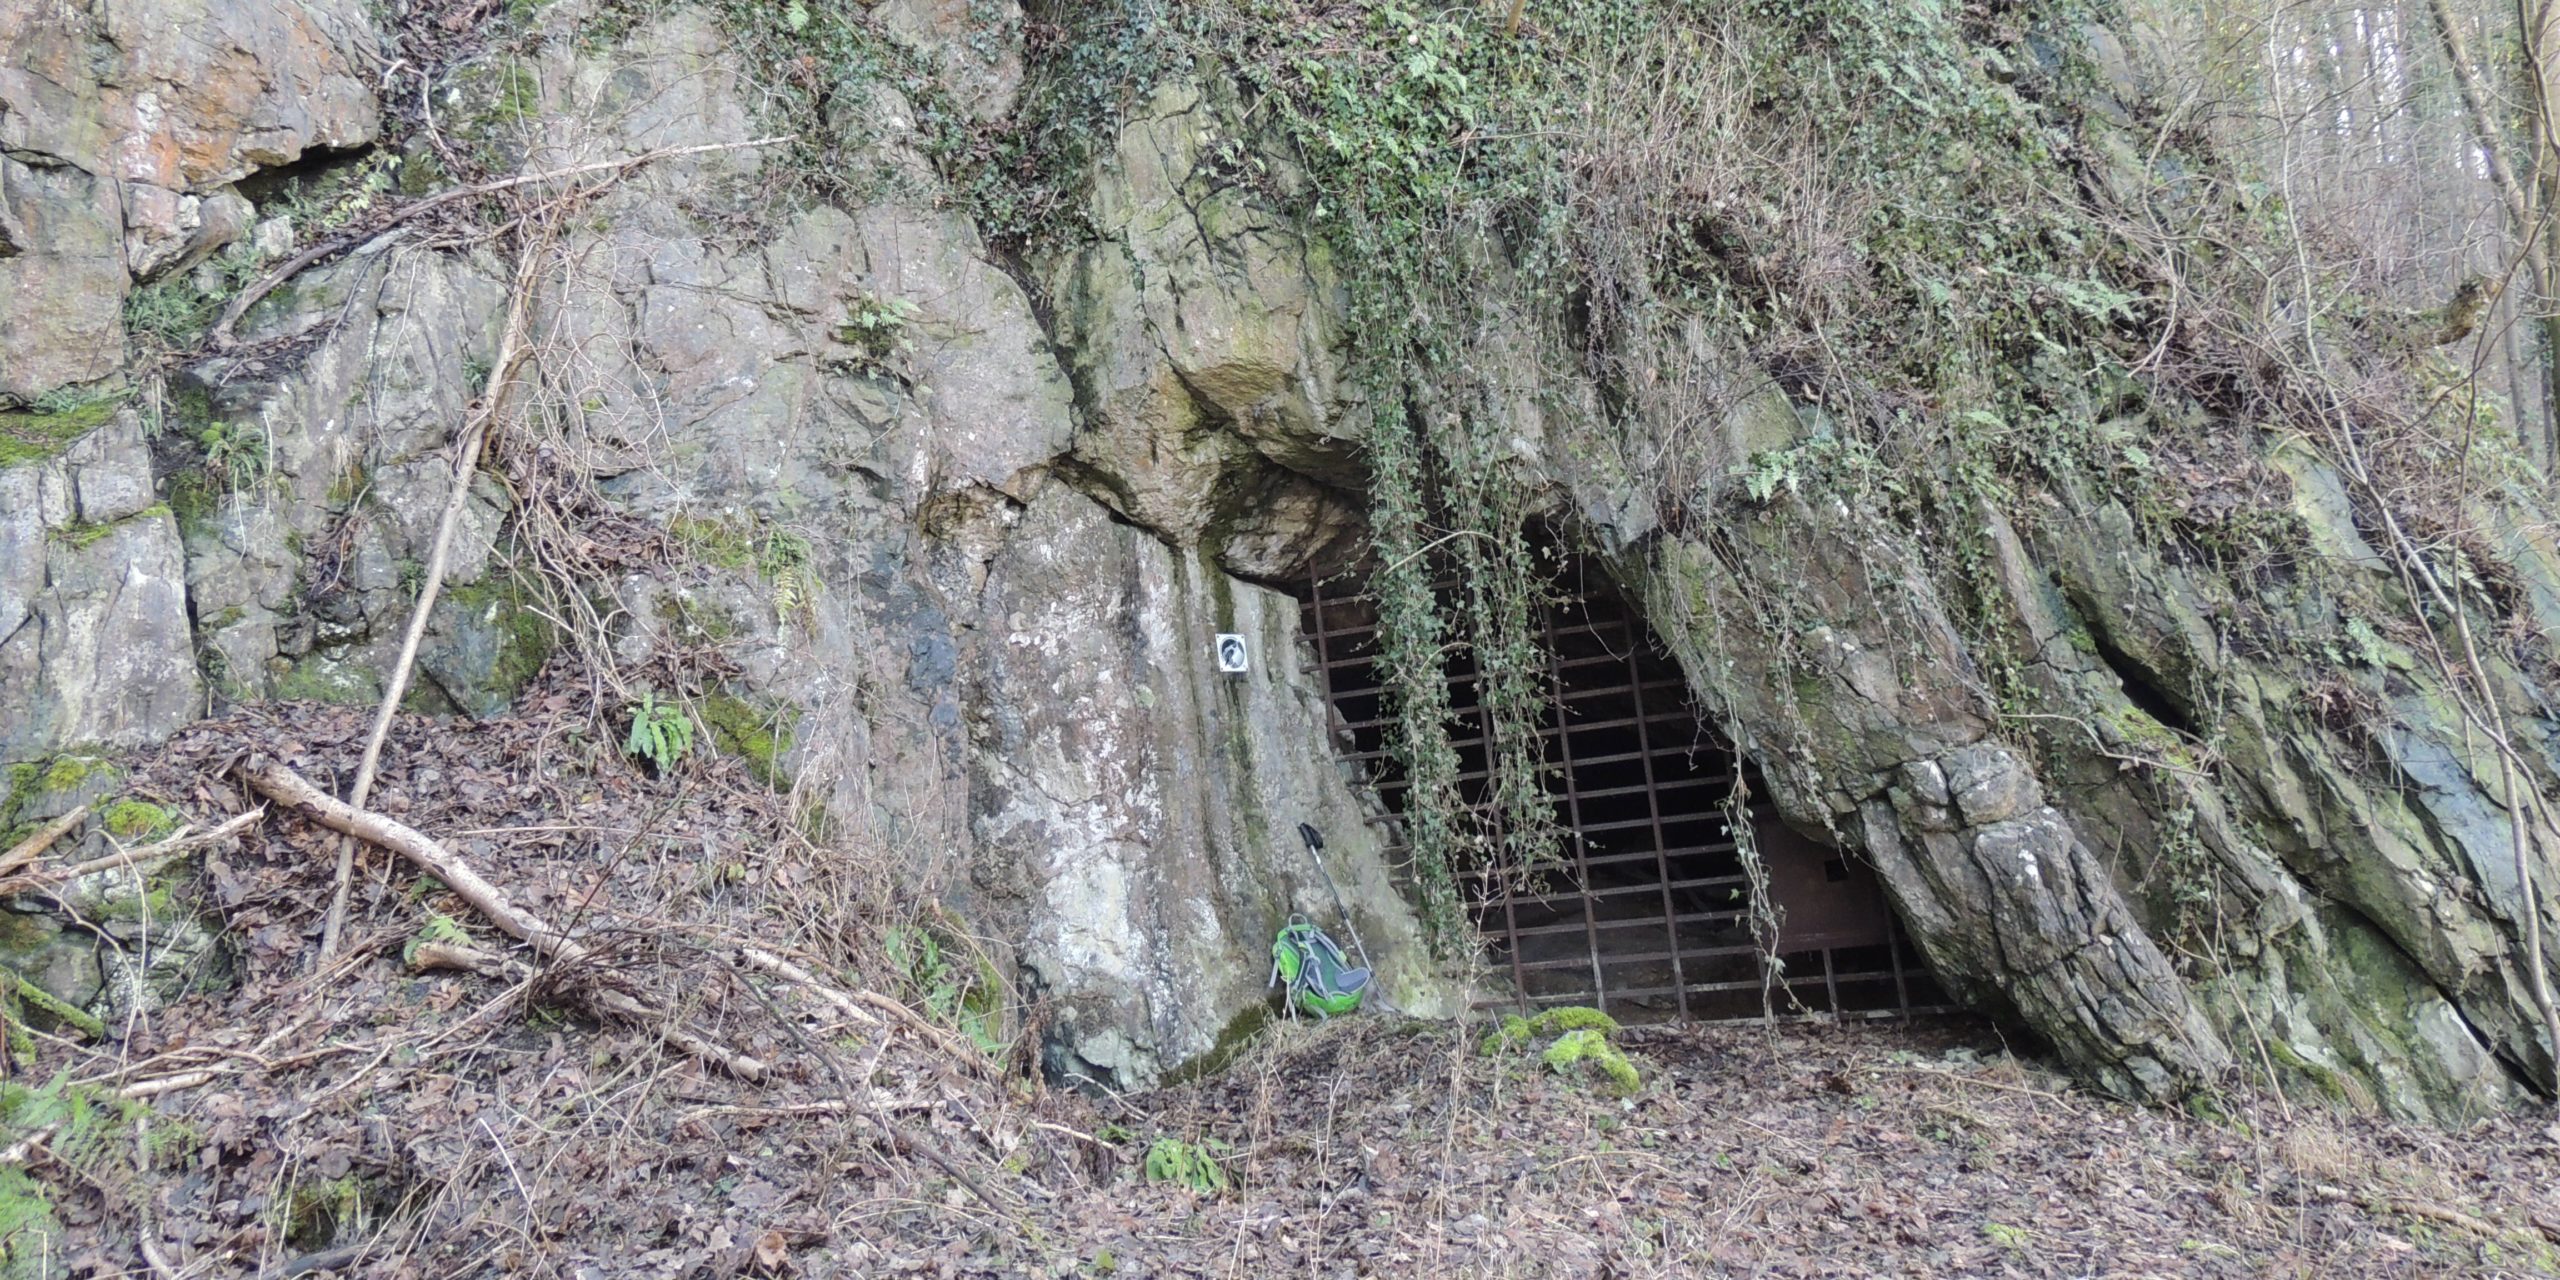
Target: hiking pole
x=1315 y=854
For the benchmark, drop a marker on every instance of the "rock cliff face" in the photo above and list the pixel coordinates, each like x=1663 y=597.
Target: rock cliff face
x=1003 y=682
x=963 y=523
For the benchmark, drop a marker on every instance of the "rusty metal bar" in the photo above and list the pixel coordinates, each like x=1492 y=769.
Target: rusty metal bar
x=1500 y=856
x=1611 y=689
x=1653 y=813
x=1574 y=828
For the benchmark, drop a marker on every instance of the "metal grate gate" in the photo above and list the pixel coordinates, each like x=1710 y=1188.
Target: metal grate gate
x=1645 y=914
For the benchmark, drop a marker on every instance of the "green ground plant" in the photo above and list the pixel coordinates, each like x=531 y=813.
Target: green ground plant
x=440 y=930
x=965 y=993
x=661 y=732
x=1196 y=1166
x=101 y=1138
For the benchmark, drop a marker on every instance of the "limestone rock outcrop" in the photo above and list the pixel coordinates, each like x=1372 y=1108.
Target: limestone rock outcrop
x=94 y=645
x=125 y=127
x=963 y=519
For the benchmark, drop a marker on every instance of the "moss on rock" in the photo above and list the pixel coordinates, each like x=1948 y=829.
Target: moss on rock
x=1580 y=1043
x=1591 y=1050
x=758 y=737
x=1518 y=1032
x=31 y=437
x=320 y=678
x=494 y=642
x=130 y=819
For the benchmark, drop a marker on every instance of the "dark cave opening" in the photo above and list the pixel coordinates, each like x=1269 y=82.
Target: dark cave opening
x=2142 y=688
x=1645 y=913
x=311 y=172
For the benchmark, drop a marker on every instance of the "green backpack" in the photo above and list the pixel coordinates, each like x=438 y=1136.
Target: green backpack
x=1320 y=981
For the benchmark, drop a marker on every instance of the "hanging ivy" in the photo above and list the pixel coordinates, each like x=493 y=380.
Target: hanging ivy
x=1538 y=229
x=1379 y=123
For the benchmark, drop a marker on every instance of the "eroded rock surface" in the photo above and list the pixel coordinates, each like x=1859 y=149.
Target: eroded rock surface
x=964 y=528
x=94 y=645
x=126 y=126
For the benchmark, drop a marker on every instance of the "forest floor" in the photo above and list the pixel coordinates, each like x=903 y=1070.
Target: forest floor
x=378 y=1117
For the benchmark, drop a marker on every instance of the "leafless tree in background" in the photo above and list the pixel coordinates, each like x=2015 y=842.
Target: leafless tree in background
x=2422 y=157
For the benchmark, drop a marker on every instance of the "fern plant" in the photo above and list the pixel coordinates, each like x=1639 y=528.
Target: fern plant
x=1190 y=1164
x=877 y=330
x=661 y=733
x=439 y=931
x=955 y=996
x=786 y=560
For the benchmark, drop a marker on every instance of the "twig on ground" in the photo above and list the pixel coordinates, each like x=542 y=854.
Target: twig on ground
x=1959 y=1077
x=29 y=849
x=327 y=1259
x=920 y=1143
x=2445 y=1214
x=157 y=1258
x=183 y=840
x=293 y=791
x=429 y=956
x=838 y=1000
x=141 y=1089
x=951 y=1044
x=852 y=1004
x=17 y=1152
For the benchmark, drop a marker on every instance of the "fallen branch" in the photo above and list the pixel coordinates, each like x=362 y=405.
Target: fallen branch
x=1958 y=1077
x=63 y=1011
x=19 y=1151
x=428 y=957
x=951 y=1043
x=854 y=1005
x=2451 y=1217
x=295 y=792
x=183 y=840
x=220 y=335
x=29 y=849
x=153 y=1088
x=840 y=1001
x=468 y=444
x=897 y=1138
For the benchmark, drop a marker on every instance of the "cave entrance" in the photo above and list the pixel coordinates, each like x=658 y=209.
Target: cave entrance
x=1645 y=912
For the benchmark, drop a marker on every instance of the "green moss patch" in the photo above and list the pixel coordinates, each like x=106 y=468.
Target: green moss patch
x=60 y=1012
x=1517 y=1032
x=1594 y=1056
x=87 y=534
x=760 y=738
x=727 y=544
x=1580 y=1044
x=130 y=820
x=319 y=679
x=520 y=638
x=31 y=437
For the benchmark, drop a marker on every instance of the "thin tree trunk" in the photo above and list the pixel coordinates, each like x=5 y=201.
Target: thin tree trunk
x=2535 y=20
x=468 y=446
x=2528 y=207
